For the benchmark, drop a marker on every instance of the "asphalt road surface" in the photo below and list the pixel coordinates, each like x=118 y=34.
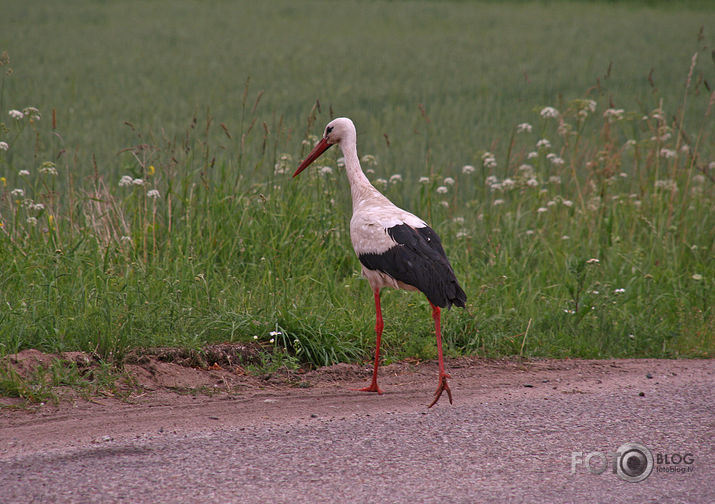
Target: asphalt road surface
x=545 y=431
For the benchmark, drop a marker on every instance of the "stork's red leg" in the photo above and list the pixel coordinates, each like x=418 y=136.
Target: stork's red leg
x=378 y=335
x=442 y=385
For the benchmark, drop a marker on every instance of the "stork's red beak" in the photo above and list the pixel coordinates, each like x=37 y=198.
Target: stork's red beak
x=321 y=147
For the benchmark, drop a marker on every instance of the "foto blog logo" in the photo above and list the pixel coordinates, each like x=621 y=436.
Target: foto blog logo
x=631 y=462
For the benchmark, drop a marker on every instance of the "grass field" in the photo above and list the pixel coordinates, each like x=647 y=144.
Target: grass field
x=563 y=151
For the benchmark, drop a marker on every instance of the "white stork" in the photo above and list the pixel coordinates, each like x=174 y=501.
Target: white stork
x=396 y=248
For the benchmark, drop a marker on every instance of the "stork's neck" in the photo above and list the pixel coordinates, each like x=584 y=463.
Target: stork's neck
x=360 y=186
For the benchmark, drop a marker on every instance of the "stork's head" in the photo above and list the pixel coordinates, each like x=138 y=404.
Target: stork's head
x=337 y=131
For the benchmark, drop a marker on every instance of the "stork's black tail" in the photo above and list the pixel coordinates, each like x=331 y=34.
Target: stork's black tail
x=418 y=259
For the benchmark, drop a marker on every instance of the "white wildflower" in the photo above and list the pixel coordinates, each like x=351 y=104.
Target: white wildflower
x=613 y=114
x=529 y=232
x=550 y=203
x=381 y=182
x=442 y=190
x=32 y=221
x=498 y=202
x=532 y=155
x=126 y=180
x=275 y=333
x=38 y=207
x=549 y=112
x=554 y=179
x=491 y=180
x=369 y=159
x=458 y=220
x=567 y=203
x=697 y=277
x=462 y=234
x=543 y=144
x=424 y=180
x=17 y=193
x=523 y=128
x=585 y=106
x=467 y=169
x=508 y=184
x=23 y=173
x=138 y=182
x=32 y=112
x=325 y=170
x=593 y=260
x=449 y=181
x=555 y=160
x=532 y=182
x=667 y=153
x=667 y=184
x=489 y=160
x=445 y=204
x=16 y=114
x=526 y=170
x=565 y=237
x=564 y=129
x=49 y=168
x=394 y=179
x=619 y=291
x=4 y=146
x=541 y=210
x=153 y=193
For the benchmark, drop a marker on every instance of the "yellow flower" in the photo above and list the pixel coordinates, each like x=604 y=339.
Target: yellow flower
x=151 y=170
x=51 y=221
x=4 y=181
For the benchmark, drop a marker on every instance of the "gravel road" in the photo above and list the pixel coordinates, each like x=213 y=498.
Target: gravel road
x=509 y=437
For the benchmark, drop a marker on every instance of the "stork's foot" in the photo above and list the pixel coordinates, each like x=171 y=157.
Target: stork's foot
x=441 y=387
x=372 y=388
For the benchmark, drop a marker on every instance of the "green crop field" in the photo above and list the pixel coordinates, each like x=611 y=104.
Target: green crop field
x=562 y=150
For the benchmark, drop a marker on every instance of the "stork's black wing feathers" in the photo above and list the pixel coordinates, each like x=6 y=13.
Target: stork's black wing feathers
x=418 y=259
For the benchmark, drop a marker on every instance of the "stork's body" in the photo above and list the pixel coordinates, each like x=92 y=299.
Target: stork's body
x=396 y=248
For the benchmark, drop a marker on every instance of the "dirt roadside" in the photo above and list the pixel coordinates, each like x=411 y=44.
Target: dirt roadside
x=176 y=398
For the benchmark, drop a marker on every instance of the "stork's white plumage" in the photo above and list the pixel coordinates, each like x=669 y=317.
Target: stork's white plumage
x=396 y=248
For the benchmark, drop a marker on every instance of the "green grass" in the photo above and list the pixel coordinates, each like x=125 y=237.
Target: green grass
x=47 y=382
x=221 y=102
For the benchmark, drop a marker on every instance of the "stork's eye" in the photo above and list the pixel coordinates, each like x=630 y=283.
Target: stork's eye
x=328 y=130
